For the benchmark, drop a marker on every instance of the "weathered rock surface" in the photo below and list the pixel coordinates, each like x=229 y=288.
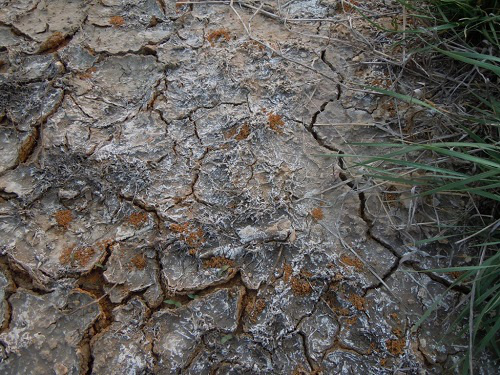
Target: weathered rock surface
x=45 y=332
x=173 y=200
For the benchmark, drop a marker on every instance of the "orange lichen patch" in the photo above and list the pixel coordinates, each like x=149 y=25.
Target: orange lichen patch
x=381 y=82
x=351 y=321
x=139 y=261
x=383 y=362
x=138 y=219
x=317 y=213
x=398 y=332
x=455 y=274
x=395 y=347
x=357 y=301
x=300 y=370
x=352 y=262
x=228 y=134
x=216 y=35
x=306 y=274
x=88 y=73
x=300 y=286
x=275 y=122
x=52 y=42
x=347 y=6
x=83 y=255
x=287 y=272
x=254 y=308
x=63 y=218
x=104 y=244
x=373 y=348
x=244 y=133
x=389 y=196
x=341 y=311
x=218 y=262
x=193 y=236
x=117 y=21
x=65 y=256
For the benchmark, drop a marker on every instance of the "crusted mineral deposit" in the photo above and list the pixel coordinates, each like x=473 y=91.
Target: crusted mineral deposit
x=172 y=200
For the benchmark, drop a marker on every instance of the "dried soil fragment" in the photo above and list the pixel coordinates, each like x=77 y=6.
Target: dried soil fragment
x=63 y=218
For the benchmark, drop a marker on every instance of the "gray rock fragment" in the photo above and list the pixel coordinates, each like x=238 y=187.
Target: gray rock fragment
x=123 y=348
x=46 y=337
x=177 y=333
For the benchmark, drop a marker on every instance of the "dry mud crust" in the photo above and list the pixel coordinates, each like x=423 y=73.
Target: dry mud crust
x=169 y=203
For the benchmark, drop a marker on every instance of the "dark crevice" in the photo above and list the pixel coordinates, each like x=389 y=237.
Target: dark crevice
x=145 y=207
x=369 y=224
x=6 y=195
x=309 y=360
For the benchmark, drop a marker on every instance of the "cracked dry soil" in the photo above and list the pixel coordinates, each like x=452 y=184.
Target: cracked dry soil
x=152 y=152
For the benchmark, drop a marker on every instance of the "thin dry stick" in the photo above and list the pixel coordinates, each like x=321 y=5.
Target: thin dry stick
x=365 y=263
x=348 y=124
x=95 y=301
